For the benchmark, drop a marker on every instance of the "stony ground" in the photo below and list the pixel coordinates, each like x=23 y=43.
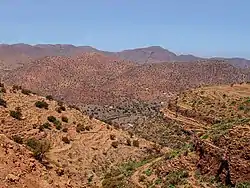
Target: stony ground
x=80 y=149
x=45 y=143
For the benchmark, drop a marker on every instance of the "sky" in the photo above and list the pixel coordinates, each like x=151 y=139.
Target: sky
x=203 y=28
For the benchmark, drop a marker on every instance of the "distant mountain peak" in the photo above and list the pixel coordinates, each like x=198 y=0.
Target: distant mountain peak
x=156 y=48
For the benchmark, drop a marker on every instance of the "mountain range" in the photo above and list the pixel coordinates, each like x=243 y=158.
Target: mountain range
x=16 y=55
x=81 y=117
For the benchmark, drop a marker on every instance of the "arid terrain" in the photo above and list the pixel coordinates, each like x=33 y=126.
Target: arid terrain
x=46 y=143
x=17 y=55
x=93 y=78
x=78 y=150
x=80 y=117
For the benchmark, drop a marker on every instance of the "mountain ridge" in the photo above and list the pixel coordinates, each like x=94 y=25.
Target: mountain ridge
x=14 y=55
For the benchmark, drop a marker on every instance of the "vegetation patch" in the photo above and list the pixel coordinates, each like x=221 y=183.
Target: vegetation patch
x=80 y=127
x=26 y=91
x=58 y=124
x=55 y=121
x=65 y=119
x=136 y=143
x=17 y=139
x=16 y=114
x=178 y=177
x=45 y=126
x=243 y=185
x=42 y=104
x=148 y=172
x=3 y=103
x=128 y=168
x=39 y=148
x=222 y=128
x=2 y=90
x=51 y=119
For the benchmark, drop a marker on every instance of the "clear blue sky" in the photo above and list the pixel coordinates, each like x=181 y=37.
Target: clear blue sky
x=200 y=27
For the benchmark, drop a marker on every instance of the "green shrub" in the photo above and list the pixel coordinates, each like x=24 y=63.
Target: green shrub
x=51 y=119
x=18 y=139
x=65 y=119
x=58 y=124
x=177 y=178
x=205 y=136
x=16 y=114
x=32 y=143
x=241 y=108
x=45 y=126
x=26 y=91
x=243 y=185
x=3 y=103
x=39 y=148
x=58 y=127
x=148 y=172
x=42 y=104
x=173 y=154
x=2 y=90
x=41 y=128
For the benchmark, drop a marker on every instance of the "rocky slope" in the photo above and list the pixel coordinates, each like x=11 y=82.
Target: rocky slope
x=17 y=55
x=57 y=146
x=93 y=78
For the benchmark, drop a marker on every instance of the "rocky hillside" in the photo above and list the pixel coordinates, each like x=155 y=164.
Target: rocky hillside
x=216 y=121
x=17 y=55
x=93 y=78
x=45 y=143
x=73 y=79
